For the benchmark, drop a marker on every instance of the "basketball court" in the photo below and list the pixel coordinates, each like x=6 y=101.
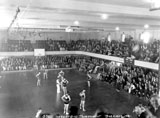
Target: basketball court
x=20 y=97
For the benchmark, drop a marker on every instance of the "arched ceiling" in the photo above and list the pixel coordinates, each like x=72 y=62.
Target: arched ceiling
x=59 y=14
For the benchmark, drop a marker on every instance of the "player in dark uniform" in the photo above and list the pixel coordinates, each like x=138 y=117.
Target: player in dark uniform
x=83 y=97
x=66 y=99
x=64 y=83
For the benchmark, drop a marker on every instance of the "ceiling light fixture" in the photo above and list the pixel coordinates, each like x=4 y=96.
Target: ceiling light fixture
x=117 y=28
x=76 y=22
x=146 y=26
x=104 y=16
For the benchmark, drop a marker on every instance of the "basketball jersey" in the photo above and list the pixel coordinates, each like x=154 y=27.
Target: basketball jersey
x=38 y=75
x=82 y=97
x=64 y=83
x=61 y=73
x=58 y=82
x=59 y=76
x=45 y=72
x=66 y=100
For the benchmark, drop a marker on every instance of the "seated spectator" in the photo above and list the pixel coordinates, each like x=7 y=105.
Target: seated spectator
x=135 y=80
x=130 y=48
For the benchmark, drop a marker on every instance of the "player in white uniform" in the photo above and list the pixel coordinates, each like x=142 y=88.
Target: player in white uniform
x=45 y=74
x=38 y=79
x=89 y=78
x=58 y=84
x=66 y=99
x=83 y=96
x=61 y=73
x=39 y=112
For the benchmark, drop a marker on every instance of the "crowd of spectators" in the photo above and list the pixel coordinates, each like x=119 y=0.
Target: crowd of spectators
x=28 y=63
x=135 y=80
x=129 y=48
x=17 y=45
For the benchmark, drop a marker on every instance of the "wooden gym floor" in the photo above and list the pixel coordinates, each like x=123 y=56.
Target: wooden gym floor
x=20 y=97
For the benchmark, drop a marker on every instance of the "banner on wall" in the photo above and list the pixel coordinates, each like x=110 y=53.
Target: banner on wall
x=39 y=52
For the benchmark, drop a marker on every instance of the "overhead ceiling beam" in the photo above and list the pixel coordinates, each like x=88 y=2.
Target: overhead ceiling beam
x=56 y=23
x=96 y=7
x=64 y=12
x=71 y=17
x=85 y=6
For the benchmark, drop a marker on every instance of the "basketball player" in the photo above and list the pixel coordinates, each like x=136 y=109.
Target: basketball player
x=59 y=76
x=61 y=73
x=39 y=112
x=83 y=96
x=45 y=74
x=64 y=83
x=60 y=79
x=38 y=79
x=66 y=99
x=89 y=78
x=58 y=84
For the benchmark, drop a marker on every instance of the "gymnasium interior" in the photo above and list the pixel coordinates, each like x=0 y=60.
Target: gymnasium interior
x=109 y=48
